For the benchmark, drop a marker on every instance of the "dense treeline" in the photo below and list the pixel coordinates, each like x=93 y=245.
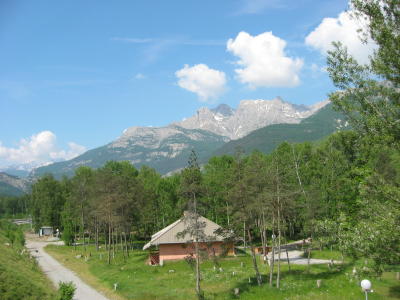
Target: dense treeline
x=345 y=182
x=14 y=206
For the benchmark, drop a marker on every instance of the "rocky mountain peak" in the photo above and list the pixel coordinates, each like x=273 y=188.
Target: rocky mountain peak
x=224 y=110
x=249 y=116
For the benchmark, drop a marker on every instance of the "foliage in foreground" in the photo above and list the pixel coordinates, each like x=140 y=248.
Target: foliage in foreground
x=66 y=291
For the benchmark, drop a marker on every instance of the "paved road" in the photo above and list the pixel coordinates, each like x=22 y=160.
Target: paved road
x=57 y=272
x=296 y=257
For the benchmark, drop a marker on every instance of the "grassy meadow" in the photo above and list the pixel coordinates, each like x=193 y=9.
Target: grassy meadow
x=175 y=280
x=20 y=276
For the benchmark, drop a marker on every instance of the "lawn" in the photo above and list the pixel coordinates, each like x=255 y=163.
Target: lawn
x=175 y=280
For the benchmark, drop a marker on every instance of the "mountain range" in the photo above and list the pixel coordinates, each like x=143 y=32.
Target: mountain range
x=249 y=116
x=255 y=124
x=12 y=185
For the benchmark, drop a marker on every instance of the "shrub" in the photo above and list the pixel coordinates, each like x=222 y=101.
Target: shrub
x=66 y=291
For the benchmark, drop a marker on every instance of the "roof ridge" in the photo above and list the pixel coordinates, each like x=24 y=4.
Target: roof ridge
x=160 y=233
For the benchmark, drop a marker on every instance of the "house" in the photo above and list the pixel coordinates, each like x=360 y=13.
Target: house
x=171 y=247
x=45 y=231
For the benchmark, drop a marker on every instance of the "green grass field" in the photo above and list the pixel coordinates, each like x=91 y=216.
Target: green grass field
x=175 y=280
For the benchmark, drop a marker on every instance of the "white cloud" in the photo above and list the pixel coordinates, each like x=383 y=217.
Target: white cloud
x=344 y=28
x=175 y=41
x=263 y=61
x=200 y=79
x=39 y=149
x=140 y=76
x=134 y=40
x=14 y=90
x=258 y=6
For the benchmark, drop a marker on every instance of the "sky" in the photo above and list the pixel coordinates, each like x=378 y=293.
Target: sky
x=74 y=74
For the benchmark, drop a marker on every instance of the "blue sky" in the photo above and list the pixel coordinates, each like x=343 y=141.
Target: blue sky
x=75 y=74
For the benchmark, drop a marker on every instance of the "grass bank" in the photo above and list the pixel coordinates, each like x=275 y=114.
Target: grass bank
x=20 y=276
x=175 y=280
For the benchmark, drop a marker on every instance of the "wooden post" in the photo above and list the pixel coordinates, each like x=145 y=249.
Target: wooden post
x=288 y=260
x=319 y=281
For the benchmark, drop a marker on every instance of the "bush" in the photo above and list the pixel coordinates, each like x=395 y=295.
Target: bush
x=66 y=291
x=68 y=235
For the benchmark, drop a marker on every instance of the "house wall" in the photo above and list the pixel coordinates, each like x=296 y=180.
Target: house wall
x=180 y=251
x=45 y=231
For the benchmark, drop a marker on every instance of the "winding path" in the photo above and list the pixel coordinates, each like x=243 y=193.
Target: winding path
x=57 y=272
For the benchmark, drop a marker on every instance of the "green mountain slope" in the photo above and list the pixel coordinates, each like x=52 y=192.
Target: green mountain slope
x=12 y=185
x=315 y=127
x=165 y=149
x=9 y=190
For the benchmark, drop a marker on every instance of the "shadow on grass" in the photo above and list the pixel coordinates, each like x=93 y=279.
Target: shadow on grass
x=394 y=291
x=245 y=286
x=241 y=252
x=302 y=275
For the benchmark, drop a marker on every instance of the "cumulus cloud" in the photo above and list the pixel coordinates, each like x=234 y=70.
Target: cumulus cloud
x=263 y=61
x=207 y=83
x=38 y=149
x=344 y=28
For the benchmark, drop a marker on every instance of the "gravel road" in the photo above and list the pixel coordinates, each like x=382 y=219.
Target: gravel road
x=296 y=258
x=57 y=272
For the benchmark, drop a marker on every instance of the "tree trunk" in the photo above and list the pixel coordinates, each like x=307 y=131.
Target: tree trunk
x=109 y=241
x=105 y=239
x=196 y=245
x=123 y=247
x=288 y=260
x=264 y=234
x=227 y=212
x=75 y=240
x=113 y=242
x=244 y=235
x=97 y=235
x=278 y=277
x=253 y=255
x=83 y=227
x=271 y=267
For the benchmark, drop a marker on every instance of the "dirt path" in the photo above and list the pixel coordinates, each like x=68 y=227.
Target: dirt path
x=57 y=272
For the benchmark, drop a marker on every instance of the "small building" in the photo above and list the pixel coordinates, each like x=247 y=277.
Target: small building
x=46 y=231
x=168 y=246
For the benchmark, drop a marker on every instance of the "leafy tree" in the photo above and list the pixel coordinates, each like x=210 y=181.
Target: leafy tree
x=79 y=196
x=216 y=174
x=47 y=202
x=369 y=96
x=191 y=189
